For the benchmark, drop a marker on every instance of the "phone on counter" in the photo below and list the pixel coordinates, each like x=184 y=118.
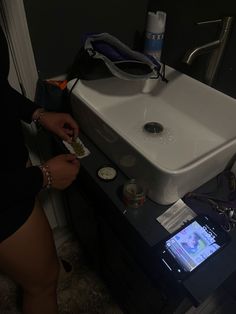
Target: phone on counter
x=191 y=246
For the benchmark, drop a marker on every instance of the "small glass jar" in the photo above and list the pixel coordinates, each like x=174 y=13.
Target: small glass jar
x=133 y=194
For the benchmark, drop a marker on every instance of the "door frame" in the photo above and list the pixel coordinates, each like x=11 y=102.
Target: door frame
x=15 y=23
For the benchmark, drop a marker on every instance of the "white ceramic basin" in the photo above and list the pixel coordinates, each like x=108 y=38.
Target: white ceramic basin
x=197 y=141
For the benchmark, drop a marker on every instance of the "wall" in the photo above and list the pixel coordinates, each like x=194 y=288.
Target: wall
x=56 y=27
x=182 y=34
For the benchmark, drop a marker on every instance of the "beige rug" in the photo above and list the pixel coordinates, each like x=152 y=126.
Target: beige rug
x=80 y=291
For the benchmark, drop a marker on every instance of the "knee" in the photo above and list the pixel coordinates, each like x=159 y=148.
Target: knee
x=45 y=283
x=51 y=276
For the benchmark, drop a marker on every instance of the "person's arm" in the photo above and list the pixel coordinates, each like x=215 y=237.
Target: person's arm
x=26 y=106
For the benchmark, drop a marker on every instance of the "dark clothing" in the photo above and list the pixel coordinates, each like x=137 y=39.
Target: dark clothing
x=20 y=184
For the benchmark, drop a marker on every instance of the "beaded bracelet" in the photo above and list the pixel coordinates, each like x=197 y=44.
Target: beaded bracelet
x=48 y=175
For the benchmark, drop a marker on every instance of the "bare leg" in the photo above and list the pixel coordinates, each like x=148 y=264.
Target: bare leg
x=29 y=257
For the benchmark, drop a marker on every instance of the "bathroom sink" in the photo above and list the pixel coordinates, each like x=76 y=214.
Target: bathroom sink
x=194 y=130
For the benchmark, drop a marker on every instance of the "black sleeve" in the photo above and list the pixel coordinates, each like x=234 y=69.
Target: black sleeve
x=19 y=183
x=22 y=183
x=25 y=106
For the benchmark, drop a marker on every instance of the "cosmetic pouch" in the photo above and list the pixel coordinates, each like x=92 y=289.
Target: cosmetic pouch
x=217 y=198
x=103 y=55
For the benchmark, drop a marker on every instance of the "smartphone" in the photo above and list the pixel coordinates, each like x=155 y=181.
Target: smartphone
x=192 y=245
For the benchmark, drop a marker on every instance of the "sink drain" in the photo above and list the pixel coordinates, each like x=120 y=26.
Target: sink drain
x=153 y=127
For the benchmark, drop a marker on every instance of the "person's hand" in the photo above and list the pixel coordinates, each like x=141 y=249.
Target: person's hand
x=61 y=124
x=64 y=169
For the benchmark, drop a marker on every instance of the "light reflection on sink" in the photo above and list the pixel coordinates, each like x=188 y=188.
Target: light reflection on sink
x=198 y=137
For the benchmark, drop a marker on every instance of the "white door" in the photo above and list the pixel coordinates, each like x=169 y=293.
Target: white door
x=23 y=67
x=13 y=77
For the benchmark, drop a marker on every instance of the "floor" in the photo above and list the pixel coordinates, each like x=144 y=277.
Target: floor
x=81 y=290
x=220 y=302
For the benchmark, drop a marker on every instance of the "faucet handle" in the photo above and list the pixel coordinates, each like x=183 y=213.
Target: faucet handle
x=226 y=22
x=210 y=22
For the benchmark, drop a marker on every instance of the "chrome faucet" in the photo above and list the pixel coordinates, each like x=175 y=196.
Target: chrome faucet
x=215 y=47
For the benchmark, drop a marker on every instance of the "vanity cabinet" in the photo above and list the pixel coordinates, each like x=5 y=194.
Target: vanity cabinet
x=119 y=243
x=106 y=251
x=126 y=279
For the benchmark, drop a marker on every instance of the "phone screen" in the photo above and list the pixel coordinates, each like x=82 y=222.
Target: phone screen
x=194 y=244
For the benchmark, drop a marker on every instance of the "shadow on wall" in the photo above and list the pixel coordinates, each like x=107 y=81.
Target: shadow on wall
x=57 y=39
x=183 y=33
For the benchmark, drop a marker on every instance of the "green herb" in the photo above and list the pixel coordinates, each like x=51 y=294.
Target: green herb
x=78 y=148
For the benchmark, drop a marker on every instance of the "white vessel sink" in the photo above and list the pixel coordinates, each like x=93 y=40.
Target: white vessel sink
x=197 y=140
